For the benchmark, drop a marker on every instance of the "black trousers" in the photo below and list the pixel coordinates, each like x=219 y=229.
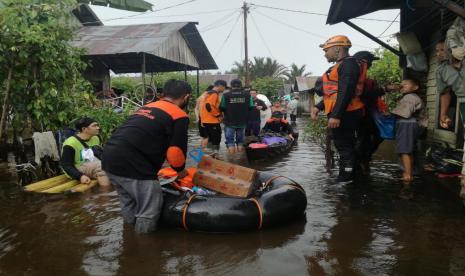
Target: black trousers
x=368 y=139
x=345 y=138
x=293 y=117
x=214 y=133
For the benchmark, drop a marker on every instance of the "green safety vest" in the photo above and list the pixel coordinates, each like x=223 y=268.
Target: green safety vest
x=79 y=147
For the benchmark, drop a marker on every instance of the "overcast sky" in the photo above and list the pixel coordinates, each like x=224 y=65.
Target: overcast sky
x=289 y=37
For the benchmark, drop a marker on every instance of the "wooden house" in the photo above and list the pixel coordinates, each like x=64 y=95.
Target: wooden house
x=428 y=21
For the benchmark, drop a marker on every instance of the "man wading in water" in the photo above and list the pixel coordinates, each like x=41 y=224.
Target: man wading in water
x=137 y=150
x=342 y=87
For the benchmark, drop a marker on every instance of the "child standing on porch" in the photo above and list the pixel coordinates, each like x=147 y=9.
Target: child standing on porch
x=411 y=124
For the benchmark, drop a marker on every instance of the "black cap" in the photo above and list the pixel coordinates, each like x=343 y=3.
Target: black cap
x=220 y=83
x=84 y=122
x=365 y=55
x=237 y=83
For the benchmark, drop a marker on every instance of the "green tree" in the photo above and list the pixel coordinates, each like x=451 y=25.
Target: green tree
x=268 y=86
x=386 y=71
x=260 y=67
x=296 y=71
x=40 y=72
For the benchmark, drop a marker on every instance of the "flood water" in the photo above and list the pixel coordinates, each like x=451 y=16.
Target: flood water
x=375 y=227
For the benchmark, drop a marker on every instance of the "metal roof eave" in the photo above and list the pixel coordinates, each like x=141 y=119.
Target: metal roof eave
x=177 y=46
x=342 y=10
x=198 y=47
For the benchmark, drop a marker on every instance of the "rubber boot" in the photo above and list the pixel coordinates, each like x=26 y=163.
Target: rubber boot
x=345 y=174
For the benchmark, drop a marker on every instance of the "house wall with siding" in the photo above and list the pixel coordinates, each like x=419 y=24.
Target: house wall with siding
x=435 y=134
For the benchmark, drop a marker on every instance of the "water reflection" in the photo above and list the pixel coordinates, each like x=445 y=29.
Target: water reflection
x=373 y=227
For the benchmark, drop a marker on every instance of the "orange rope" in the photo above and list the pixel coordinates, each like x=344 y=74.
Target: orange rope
x=184 y=211
x=293 y=184
x=297 y=186
x=260 y=211
x=268 y=182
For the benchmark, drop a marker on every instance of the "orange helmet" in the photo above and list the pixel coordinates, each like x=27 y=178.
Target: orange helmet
x=337 y=40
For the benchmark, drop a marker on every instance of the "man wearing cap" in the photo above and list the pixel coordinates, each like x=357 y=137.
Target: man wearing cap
x=342 y=87
x=210 y=114
x=77 y=157
x=369 y=137
x=137 y=150
x=235 y=105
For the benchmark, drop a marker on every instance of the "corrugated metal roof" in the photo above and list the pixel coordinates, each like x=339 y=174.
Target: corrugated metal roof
x=304 y=83
x=168 y=47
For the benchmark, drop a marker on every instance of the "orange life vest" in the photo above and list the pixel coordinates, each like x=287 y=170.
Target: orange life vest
x=187 y=181
x=330 y=88
x=212 y=116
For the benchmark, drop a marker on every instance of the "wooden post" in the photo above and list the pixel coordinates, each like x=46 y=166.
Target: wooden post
x=144 y=86
x=246 y=47
x=374 y=38
x=198 y=84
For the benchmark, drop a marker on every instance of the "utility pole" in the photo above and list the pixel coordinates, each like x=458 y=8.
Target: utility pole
x=246 y=59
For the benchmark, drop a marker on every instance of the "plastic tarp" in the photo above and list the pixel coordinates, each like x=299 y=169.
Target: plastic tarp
x=274 y=140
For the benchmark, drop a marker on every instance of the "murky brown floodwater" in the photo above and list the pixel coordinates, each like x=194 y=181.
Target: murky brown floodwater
x=367 y=228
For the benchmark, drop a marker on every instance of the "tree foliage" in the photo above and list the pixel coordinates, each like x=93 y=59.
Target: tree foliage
x=386 y=71
x=268 y=86
x=46 y=83
x=296 y=71
x=261 y=67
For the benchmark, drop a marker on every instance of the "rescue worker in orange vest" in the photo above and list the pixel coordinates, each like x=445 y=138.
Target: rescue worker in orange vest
x=342 y=87
x=210 y=114
x=137 y=150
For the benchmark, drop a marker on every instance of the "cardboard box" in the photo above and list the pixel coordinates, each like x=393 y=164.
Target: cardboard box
x=224 y=177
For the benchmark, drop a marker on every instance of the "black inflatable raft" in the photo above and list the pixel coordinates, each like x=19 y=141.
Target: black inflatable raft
x=271 y=151
x=278 y=200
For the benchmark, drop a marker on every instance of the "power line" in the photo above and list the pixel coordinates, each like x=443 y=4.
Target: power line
x=139 y=14
x=261 y=36
x=302 y=30
x=290 y=26
x=207 y=28
x=224 y=20
x=316 y=13
x=186 y=14
x=389 y=25
x=228 y=36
